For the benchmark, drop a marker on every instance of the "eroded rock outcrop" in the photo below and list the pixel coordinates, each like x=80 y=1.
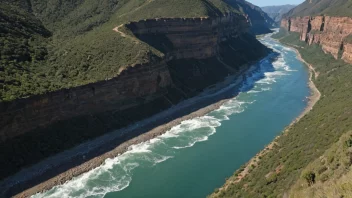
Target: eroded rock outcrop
x=347 y=52
x=329 y=32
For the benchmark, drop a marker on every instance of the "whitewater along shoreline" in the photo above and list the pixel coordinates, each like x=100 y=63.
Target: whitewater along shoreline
x=312 y=100
x=65 y=166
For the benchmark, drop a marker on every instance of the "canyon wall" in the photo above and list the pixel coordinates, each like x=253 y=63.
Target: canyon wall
x=190 y=38
x=134 y=85
x=198 y=53
x=332 y=33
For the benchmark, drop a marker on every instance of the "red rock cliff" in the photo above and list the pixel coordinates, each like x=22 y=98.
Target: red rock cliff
x=329 y=32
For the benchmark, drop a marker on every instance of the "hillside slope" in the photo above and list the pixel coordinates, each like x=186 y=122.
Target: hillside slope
x=260 y=21
x=276 y=12
x=339 y=8
x=72 y=43
x=331 y=173
x=312 y=158
x=299 y=145
x=75 y=45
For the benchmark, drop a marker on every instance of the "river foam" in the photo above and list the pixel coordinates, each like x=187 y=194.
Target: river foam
x=116 y=174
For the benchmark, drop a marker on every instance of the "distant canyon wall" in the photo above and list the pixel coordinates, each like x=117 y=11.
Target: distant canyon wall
x=332 y=33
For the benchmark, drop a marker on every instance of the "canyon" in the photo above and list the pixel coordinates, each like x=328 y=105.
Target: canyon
x=332 y=33
x=182 y=39
x=198 y=53
x=276 y=12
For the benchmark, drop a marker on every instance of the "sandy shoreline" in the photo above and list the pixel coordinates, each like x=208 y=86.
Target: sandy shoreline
x=315 y=93
x=312 y=100
x=215 y=96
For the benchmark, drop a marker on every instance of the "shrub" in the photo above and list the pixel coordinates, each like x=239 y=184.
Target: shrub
x=348 y=142
x=309 y=177
x=322 y=169
x=271 y=179
x=324 y=177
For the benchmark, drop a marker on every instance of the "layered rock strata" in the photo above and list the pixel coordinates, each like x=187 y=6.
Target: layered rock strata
x=189 y=38
x=128 y=89
x=183 y=39
x=332 y=33
x=198 y=53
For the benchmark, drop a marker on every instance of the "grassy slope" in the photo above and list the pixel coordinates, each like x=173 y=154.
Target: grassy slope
x=261 y=22
x=323 y=7
x=83 y=48
x=348 y=39
x=332 y=172
x=311 y=136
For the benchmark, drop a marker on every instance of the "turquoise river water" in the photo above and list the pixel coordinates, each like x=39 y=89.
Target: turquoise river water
x=195 y=157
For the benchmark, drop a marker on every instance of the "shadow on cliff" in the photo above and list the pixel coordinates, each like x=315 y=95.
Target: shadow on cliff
x=158 y=41
x=213 y=11
x=190 y=77
x=249 y=82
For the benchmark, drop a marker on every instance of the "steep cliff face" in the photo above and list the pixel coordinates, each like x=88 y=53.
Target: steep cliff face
x=198 y=53
x=178 y=38
x=189 y=38
x=347 y=52
x=122 y=92
x=329 y=32
x=324 y=22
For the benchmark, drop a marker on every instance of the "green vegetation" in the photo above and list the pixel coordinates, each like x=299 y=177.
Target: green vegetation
x=332 y=170
x=322 y=7
x=261 y=22
x=282 y=33
x=309 y=177
x=348 y=38
x=49 y=45
x=308 y=139
x=22 y=48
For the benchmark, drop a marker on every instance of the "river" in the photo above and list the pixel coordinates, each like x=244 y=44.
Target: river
x=195 y=157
